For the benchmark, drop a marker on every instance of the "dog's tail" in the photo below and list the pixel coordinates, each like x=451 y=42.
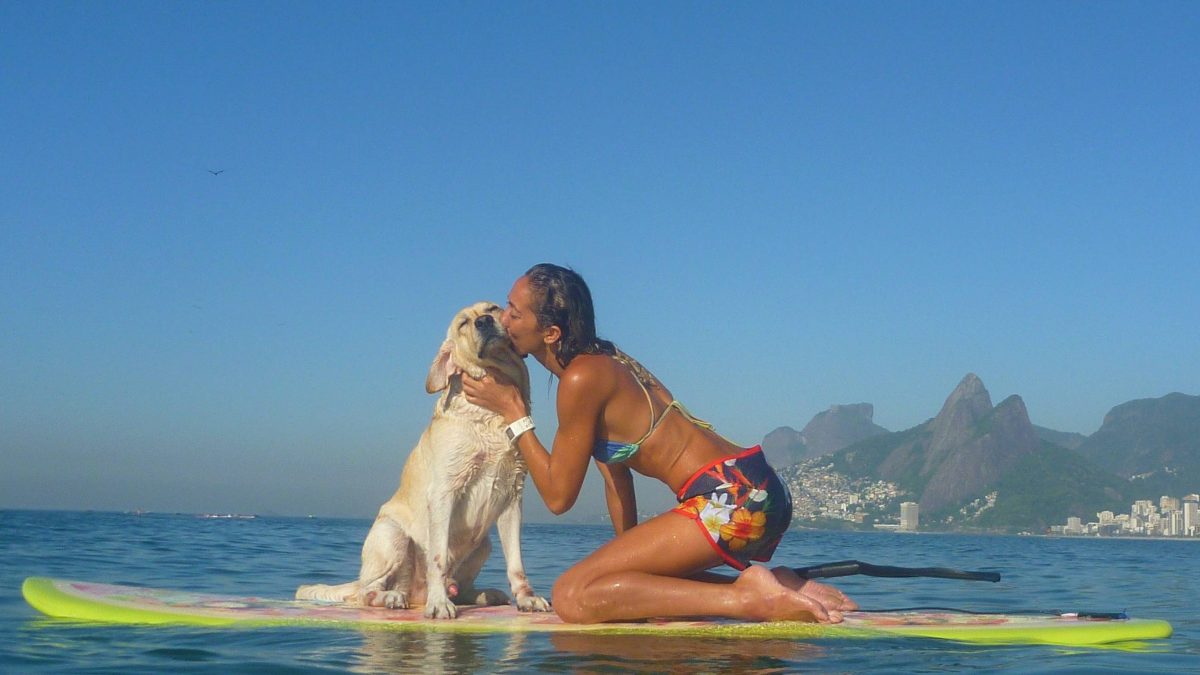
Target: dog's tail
x=339 y=593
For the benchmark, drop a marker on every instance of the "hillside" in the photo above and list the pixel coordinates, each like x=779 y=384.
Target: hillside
x=1155 y=442
x=1063 y=439
x=1048 y=486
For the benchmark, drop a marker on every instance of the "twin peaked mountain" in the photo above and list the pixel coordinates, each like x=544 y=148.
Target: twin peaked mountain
x=1040 y=476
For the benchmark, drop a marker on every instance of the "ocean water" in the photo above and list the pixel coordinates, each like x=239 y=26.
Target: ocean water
x=271 y=556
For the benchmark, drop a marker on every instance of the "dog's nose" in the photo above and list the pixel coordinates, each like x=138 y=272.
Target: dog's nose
x=484 y=321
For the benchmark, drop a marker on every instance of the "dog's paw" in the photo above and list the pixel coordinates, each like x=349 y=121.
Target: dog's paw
x=532 y=603
x=395 y=600
x=443 y=609
x=389 y=599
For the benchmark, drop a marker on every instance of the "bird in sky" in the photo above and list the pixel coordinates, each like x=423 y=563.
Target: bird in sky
x=219 y=171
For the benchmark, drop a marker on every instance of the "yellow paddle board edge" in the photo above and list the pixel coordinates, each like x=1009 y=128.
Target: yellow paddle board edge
x=48 y=597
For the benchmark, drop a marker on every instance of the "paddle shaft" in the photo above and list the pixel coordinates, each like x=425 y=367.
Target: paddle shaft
x=847 y=568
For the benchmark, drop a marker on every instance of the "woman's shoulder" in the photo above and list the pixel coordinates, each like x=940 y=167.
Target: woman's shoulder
x=590 y=368
x=587 y=379
x=607 y=372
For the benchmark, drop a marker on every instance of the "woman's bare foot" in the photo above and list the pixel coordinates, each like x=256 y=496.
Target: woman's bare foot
x=827 y=595
x=766 y=599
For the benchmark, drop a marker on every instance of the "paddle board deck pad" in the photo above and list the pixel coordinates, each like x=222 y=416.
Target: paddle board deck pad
x=136 y=605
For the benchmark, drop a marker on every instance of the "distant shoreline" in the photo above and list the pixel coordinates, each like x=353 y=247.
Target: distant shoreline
x=801 y=528
x=576 y=523
x=1082 y=536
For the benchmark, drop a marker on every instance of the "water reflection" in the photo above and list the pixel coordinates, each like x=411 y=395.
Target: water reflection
x=452 y=652
x=439 y=652
x=681 y=654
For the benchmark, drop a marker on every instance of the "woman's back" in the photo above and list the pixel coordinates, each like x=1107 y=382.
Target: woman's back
x=643 y=425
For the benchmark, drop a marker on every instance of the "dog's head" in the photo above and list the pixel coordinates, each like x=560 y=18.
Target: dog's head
x=476 y=341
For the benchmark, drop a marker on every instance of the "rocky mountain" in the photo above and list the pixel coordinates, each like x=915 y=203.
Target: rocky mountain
x=826 y=433
x=784 y=447
x=968 y=447
x=840 y=426
x=1155 y=442
x=979 y=465
x=1063 y=439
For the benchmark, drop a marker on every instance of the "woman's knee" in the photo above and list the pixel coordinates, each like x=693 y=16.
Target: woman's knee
x=567 y=597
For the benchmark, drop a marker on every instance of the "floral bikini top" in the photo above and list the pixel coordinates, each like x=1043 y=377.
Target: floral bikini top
x=612 y=452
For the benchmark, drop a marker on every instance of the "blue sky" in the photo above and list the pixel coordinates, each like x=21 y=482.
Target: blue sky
x=779 y=207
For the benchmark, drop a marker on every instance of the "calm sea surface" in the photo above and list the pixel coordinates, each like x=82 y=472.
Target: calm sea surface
x=271 y=556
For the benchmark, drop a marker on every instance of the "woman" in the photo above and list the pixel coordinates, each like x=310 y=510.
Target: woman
x=733 y=508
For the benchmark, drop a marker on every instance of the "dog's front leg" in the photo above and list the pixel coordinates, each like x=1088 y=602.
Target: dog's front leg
x=509 y=527
x=438 y=564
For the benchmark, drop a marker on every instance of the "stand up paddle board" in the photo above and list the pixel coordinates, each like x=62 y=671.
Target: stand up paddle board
x=110 y=603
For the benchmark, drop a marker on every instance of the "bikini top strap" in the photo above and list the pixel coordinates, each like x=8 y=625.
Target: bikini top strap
x=640 y=375
x=690 y=417
x=700 y=423
x=650 y=403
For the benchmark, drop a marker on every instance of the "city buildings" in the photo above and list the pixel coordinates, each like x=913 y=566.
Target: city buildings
x=821 y=495
x=1170 y=517
x=909 y=516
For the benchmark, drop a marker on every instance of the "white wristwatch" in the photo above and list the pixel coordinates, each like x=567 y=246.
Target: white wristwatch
x=514 y=430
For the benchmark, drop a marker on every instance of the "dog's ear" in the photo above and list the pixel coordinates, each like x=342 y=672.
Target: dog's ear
x=442 y=368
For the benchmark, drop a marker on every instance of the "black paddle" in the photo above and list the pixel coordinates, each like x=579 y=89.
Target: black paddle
x=847 y=568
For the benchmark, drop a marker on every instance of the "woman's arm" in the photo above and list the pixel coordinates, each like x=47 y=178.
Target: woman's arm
x=558 y=476
x=619 y=494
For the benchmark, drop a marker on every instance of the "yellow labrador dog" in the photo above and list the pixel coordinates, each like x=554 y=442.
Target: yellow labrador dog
x=430 y=539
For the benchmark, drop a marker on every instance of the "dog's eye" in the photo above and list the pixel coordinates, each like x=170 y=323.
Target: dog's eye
x=463 y=323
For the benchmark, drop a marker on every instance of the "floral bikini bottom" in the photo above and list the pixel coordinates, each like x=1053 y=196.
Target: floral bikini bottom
x=741 y=505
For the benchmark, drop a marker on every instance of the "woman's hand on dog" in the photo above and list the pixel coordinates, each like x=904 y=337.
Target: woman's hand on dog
x=496 y=393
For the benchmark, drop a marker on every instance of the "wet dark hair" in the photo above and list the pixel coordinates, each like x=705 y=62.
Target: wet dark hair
x=562 y=299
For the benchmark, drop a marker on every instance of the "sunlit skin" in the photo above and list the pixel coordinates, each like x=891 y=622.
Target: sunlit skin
x=658 y=568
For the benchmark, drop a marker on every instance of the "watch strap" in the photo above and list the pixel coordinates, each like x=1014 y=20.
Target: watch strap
x=514 y=430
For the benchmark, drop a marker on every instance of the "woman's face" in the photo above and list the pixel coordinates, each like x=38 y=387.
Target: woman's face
x=520 y=321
